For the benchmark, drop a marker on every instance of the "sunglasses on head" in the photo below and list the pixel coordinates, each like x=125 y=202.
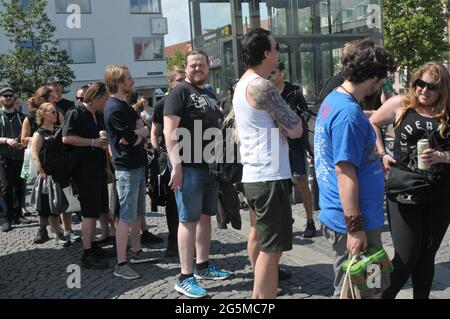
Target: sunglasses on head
x=422 y=84
x=7 y=96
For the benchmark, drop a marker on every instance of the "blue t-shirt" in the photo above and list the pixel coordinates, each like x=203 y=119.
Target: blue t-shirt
x=343 y=133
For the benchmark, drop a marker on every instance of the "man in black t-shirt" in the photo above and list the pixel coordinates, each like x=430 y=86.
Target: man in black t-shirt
x=175 y=76
x=61 y=104
x=81 y=130
x=191 y=110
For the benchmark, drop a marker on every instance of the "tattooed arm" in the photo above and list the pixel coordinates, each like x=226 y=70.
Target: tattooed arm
x=262 y=94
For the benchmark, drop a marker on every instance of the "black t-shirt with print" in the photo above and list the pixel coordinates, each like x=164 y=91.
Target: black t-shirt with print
x=92 y=161
x=199 y=111
x=413 y=128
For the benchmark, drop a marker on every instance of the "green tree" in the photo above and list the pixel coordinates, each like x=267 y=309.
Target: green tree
x=176 y=60
x=415 y=32
x=36 y=55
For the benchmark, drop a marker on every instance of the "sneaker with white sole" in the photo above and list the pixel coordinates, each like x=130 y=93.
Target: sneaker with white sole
x=126 y=272
x=138 y=257
x=190 y=288
x=211 y=272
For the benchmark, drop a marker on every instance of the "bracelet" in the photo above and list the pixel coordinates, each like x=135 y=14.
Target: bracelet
x=383 y=154
x=354 y=223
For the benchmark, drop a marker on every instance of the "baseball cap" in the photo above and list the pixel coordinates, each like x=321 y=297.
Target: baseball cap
x=6 y=89
x=53 y=79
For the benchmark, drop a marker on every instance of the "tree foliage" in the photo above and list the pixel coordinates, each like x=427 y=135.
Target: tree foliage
x=176 y=60
x=415 y=32
x=35 y=54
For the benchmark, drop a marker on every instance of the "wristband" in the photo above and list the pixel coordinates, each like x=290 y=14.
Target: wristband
x=354 y=223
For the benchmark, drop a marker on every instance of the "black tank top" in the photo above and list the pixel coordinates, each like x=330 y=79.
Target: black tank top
x=413 y=128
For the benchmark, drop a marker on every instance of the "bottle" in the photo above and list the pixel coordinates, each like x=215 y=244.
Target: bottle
x=422 y=145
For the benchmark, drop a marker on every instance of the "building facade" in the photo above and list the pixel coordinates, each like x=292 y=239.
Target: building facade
x=129 y=32
x=311 y=34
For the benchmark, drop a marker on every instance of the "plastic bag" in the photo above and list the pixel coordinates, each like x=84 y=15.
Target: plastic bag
x=29 y=170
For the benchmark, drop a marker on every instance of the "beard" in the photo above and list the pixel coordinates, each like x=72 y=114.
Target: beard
x=8 y=106
x=198 y=79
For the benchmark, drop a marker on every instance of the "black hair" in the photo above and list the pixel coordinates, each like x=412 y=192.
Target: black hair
x=365 y=60
x=255 y=43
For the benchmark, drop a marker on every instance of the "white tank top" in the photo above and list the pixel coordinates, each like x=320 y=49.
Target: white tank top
x=264 y=150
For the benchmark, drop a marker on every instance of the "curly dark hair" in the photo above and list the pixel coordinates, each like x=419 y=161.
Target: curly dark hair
x=254 y=44
x=364 y=59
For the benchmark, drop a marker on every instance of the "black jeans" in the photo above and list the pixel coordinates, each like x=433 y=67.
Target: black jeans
x=417 y=232
x=11 y=181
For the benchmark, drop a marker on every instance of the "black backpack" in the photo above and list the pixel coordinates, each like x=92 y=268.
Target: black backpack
x=57 y=158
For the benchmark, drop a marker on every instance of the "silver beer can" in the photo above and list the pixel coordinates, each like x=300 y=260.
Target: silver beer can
x=422 y=145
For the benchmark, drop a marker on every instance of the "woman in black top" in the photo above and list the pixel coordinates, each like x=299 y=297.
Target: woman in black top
x=46 y=117
x=43 y=95
x=418 y=229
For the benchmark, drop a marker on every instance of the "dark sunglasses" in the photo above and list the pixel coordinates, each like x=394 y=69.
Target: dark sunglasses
x=80 y=98
x=277 y=47
x=52 y=112
x=7 y=96
x=422 y=84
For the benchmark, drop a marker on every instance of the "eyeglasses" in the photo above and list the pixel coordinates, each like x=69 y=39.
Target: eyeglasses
x=8 y=96
x=277 y=47
x=422 y=84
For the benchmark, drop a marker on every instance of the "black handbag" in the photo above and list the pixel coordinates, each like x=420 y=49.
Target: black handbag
x=405 y=186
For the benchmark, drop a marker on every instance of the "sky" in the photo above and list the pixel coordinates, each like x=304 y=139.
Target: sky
x=177 y=13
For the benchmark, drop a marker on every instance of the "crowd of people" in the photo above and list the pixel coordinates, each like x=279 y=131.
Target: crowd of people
x=120 y=150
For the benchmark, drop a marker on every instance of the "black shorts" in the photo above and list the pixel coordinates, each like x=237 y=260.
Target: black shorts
x=93 y=197
x=272 y=205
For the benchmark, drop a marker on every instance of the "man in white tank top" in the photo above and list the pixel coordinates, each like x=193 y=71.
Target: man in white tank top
x=264 y=121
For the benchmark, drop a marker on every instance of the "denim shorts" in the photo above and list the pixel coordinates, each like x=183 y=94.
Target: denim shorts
x=131 y=191
x=298 y=162
x=198 y=195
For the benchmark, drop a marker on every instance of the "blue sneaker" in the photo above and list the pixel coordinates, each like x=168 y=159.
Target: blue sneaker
x=211 y=273
x=189 y=287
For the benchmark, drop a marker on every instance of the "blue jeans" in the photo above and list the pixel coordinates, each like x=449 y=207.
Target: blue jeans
x=131 y=191
x=197 y=196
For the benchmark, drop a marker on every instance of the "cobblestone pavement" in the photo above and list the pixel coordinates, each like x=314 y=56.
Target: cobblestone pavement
x=40 y=271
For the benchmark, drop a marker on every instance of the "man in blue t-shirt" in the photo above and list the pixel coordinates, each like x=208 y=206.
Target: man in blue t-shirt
x=348 y=168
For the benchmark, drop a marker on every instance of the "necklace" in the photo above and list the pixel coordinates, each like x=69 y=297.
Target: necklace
x=356 y=100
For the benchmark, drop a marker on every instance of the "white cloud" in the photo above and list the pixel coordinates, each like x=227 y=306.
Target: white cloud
x=177 y=13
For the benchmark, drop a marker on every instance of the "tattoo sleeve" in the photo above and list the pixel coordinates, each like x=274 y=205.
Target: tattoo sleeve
x=267 y=96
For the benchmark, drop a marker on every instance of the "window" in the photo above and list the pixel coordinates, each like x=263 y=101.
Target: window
x=146 y=49
x=61 y=6
x=79 y=50
x=145 y=6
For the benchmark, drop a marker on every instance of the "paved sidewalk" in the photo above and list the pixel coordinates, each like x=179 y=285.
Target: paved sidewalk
x=40 y=271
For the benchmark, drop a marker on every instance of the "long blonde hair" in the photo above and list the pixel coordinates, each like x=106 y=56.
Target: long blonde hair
x=441 y=79
x=228 y=119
